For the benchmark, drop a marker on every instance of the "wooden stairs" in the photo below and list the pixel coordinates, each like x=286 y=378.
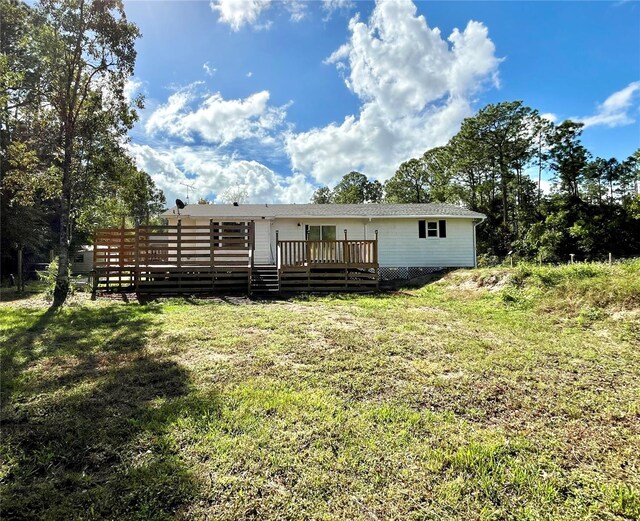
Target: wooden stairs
x=265 y=281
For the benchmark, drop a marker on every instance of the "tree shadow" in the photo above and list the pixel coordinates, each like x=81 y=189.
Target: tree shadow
x=87 y=414
x=11 y=294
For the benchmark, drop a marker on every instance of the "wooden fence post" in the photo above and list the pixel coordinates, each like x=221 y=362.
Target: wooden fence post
x=179 y=243
x=375 y=249
x=136 y=274
x=346 y=254
x=94 y=283
x=121 y=255
x=211 y=244
x=179 y=252
x=252 y=227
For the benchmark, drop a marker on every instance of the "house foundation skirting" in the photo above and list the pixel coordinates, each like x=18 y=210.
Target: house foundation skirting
x=405 y=273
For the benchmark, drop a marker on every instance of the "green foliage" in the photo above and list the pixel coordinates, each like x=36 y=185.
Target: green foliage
x=48 y=277
x=421 y=180
x=486 y=260
x=593 y=210
x=568 y=156
x=322 y=195
x=353 y=188
x=64 y=168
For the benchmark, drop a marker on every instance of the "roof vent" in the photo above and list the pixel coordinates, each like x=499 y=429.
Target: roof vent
x=235 y=203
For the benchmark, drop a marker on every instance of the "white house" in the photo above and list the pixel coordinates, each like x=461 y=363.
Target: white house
x=412 y=238
x=82 y=260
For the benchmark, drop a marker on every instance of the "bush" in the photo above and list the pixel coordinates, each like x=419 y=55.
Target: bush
x=48 y=277
x=486 y=260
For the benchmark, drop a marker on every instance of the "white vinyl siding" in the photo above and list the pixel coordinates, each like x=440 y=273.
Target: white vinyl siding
x=82 y=261
x=400 y=246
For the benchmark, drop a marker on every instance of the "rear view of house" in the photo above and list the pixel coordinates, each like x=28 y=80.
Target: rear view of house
x=292 y=247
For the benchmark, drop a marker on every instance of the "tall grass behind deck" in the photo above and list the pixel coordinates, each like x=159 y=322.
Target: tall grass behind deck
x=614 y=287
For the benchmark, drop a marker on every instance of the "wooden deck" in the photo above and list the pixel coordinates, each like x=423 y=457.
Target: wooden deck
x=325 y=266
x=219 y=258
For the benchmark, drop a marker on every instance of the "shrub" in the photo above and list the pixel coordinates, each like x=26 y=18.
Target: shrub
x=48 y=277
x=487 y=260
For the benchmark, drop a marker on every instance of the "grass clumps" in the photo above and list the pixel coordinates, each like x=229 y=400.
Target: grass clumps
x=464 y=399
x=588 y=292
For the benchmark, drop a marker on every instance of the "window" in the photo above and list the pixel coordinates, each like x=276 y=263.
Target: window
x=432 y=229
x=320 y=233
x=79 y=258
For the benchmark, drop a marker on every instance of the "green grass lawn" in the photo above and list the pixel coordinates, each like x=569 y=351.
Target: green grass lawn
x=491 y=394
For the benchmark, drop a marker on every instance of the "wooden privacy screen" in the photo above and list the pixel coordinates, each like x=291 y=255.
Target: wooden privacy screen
x=181 y=257
x=219 y=244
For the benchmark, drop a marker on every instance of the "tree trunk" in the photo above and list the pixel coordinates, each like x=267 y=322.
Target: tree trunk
x=505 y=198
x=62 y=278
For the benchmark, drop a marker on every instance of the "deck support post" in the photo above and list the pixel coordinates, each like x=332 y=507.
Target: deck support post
x=212 y=252
x=179 y=251
x=136 y=273
x=252 y=250
x=121 y=255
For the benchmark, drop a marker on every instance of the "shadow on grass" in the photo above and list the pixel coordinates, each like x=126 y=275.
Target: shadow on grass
x=11 y=294
x=83 y=429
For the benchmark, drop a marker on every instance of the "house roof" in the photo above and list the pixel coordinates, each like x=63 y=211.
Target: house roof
x=299 y=211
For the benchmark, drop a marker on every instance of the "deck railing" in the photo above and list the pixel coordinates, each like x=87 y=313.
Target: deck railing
x=352 y=253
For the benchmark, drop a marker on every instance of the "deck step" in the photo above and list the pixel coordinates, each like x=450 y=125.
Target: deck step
x=265 y=280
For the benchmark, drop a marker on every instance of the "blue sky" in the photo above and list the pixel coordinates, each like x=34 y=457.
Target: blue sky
x=271 y=99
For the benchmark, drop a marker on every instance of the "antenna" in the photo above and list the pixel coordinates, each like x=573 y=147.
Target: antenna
x=188 y=186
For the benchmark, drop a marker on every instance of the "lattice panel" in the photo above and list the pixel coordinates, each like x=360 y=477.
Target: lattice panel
x=405 y=273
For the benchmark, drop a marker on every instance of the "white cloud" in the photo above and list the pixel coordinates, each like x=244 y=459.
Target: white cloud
x=208 y=70
x=549 y=116
x=297 y=9
x=210 y=172
x=614 y=112
x=415 y=90
x=215 y=119
x=132 y=88
x=330 y=6
x=249 y=74
x=237 y=13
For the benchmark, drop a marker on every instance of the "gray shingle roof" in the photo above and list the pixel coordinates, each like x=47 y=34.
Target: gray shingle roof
x=325 y=210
